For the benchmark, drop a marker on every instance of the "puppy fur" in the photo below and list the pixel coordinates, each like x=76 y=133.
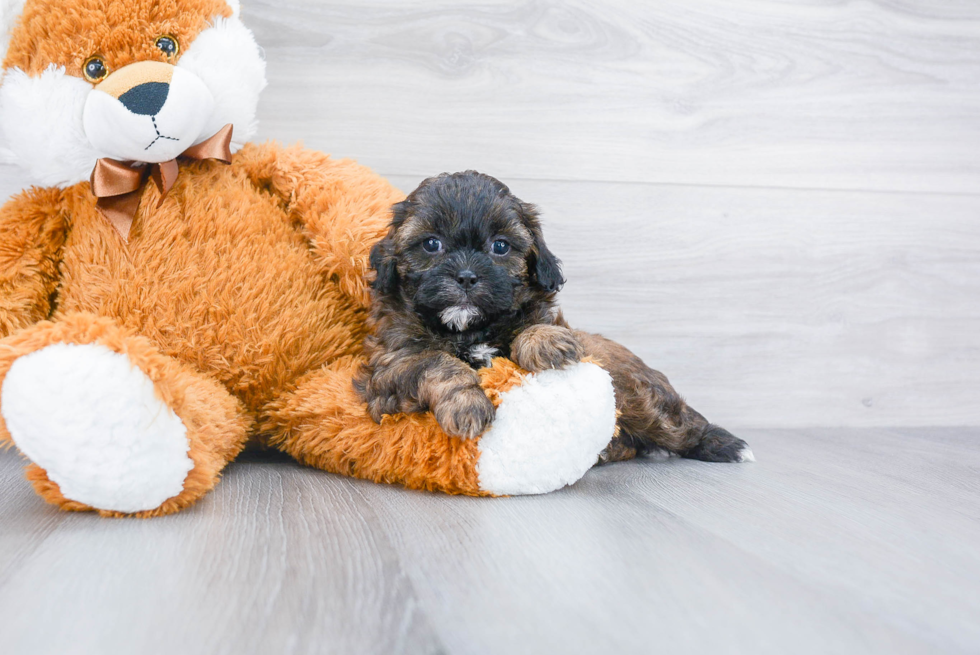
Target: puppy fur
x=464 y=275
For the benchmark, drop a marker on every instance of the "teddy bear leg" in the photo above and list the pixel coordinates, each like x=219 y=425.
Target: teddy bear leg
x=109 y=422
x=548 y=431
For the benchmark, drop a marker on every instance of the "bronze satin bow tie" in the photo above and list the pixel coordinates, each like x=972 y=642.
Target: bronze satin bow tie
x=119 y=185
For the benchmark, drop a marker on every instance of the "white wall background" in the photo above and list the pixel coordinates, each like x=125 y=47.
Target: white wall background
x=775 y=203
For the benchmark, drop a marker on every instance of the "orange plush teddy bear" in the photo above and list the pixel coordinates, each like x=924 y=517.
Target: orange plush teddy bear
x=171 y=291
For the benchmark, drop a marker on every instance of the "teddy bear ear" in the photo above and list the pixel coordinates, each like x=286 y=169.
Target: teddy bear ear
x=9 y=13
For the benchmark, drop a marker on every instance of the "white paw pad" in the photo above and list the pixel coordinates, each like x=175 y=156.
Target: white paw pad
x=92 y=421
x=548 y=432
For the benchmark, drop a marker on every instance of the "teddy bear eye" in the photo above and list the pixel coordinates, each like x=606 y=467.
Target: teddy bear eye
x=432 y=244
x=94 y=69
x=500 y=247
x=167 y=45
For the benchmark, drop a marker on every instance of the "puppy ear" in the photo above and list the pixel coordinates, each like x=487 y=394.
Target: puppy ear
x=383 y=253
x=547 y=268
x=544 y=266
x=383 y=262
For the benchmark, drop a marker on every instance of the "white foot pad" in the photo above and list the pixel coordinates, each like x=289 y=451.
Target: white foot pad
x=548 y=432
x=92 y=421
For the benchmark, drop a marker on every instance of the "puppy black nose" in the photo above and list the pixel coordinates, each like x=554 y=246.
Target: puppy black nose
x=146 y=99
x=467 y=279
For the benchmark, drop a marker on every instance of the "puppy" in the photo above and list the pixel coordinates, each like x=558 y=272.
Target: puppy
x=464 y=276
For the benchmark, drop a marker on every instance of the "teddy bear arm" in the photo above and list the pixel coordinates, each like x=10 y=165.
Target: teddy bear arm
x=344 y=207
x=548 y=431
x=33 y=228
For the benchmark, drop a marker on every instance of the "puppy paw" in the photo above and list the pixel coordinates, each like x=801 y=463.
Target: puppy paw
x=380 y=404
x=467 y=413
x=543 y=347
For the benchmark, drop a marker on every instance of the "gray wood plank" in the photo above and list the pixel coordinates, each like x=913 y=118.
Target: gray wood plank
x=654 y=136
x=889 y=522
x=278 y=559
x=770 y=307
x=601 y=569
x=775 y=307
x=844 y=541
x=766 y=307
x=853 y=95
x=24 y=523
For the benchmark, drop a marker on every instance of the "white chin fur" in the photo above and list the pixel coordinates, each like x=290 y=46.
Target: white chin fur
x=458 y=316
x=121 y=134
x=41 y=118
x=482 y=353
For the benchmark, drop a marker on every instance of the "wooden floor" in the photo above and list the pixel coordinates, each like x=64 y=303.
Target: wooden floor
x=835 y=541
x=777 y=204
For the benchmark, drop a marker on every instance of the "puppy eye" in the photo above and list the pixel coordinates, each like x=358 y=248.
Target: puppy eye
x=500 y=247
x=432 y=244
x=167 y=45
x=95 y=70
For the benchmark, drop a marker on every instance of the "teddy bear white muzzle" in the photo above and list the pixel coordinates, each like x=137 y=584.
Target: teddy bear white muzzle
x=147 y=112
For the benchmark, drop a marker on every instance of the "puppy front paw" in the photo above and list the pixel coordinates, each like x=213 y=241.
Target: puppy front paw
x=467 y=413
x=543 y=347
x=383 y=403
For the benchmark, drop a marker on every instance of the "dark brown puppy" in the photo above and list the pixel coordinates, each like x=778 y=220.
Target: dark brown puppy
x=463 y=276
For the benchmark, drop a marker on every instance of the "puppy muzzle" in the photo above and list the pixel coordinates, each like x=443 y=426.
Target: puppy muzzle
x=147 y=112
x=465 y=291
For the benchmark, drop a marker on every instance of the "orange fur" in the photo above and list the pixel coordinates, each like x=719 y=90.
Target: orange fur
x=324 y=423
x=241 y=294
x=277 y=319
x=217 y=425
x=32 y=233
x=500 y=378
x=67 y=32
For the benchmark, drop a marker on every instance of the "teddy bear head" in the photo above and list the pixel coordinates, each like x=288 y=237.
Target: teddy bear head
x=131 y=80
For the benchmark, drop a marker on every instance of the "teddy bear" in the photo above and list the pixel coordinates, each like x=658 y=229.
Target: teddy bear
x=170 y=291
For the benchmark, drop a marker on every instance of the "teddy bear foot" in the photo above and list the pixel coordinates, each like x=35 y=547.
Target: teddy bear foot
x=92 y=420
x=548 y=432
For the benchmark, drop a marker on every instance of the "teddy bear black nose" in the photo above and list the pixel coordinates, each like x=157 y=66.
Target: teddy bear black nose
x=146 y=99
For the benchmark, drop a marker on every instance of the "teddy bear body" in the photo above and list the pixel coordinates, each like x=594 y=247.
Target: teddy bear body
x=141 y=348
x=270 y=311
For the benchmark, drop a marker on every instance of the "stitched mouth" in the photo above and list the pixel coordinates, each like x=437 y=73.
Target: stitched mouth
x=159 y=136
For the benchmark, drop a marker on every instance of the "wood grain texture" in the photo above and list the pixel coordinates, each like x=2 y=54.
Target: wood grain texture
x=774 y=203
x=656 y=137
x=769 y=307
x=817 y=94
x=279 y=559
x=775 y=307
x=843 y=541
